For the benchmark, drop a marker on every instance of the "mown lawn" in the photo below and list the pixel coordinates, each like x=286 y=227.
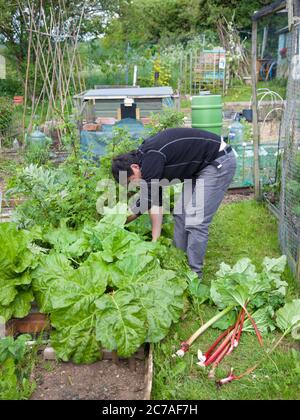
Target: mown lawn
x=243 y=93
x=239 y=230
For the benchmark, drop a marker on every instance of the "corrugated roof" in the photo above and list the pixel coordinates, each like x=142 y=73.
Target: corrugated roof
x=270 y=9
x=121 y=93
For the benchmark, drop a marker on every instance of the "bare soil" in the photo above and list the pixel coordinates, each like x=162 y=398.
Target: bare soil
x=100 y=381
x=236 y=198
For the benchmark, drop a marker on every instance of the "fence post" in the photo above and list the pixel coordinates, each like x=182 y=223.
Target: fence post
x=298 y=266
x=255 y=111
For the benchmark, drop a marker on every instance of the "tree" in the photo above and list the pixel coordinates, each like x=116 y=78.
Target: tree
x=170 y=21
x=14 y=32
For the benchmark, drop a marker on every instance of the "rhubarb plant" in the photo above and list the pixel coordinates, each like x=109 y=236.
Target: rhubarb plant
x=116 y=295
x=288 y=321
x=241 y=290
x=17 y=258
x=241 y=285
x=257 y=296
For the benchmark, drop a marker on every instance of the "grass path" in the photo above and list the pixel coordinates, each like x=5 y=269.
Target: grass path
x=239 y=230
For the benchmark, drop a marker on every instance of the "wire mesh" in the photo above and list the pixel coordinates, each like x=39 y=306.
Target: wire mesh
x=290 y=140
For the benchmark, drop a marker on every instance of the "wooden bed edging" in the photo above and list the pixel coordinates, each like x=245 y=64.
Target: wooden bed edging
x=149 y=374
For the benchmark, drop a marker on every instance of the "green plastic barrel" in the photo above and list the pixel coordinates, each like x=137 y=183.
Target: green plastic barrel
x=207 y=113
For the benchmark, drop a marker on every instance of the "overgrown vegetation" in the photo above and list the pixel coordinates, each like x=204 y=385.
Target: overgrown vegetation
x=167 y=119
x=6 y=115
x=17 y=361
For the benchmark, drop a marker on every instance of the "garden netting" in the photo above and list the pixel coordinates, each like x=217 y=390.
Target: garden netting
x=290 y=141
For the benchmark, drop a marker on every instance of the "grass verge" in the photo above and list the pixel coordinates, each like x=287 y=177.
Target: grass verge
x=239 y=230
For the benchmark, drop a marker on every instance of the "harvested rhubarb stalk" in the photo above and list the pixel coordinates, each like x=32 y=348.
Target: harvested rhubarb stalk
x=288 y=319
x=185 y=346
x=220 y=351
x=218 y=340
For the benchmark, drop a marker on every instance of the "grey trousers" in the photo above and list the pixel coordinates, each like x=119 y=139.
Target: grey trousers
x=199 y=205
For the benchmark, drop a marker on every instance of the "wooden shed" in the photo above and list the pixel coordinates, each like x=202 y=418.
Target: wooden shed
x=107 y=103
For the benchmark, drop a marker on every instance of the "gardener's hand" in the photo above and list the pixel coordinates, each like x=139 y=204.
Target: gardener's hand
x=131 y=218
x=156 y=216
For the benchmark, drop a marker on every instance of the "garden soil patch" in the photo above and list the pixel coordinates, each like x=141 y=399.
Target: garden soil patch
x=100 y=381
x=236 y=198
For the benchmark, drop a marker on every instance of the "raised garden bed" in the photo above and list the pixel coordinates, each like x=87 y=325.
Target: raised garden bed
x=111 y=378
x=103 y=380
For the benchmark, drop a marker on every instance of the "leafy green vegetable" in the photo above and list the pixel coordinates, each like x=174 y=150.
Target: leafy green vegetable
x=160 y=293
x=16 y=366
x=119 y=297
x=241 y=285
x=16 y=259
x=64 y=240
x=13 y=348
x=68 y=192
x=226 y=321
x=198 y=290
x=263 y=318
x=288 y=318
x=69 y=295
x=120 y=322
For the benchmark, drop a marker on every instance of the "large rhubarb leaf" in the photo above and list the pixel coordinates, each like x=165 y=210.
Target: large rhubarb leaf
x=69 y=295
x=241 y=284
x=116 y=244
x=51 y=270
x=70 y=242
x=160 y=294
x=16 y=260
x=263 y=318
x=74 y=336
x=80 y=287
x=126 y=271
x=288 y=318
x=159 y=291
x=121 y=322
x=275 y=266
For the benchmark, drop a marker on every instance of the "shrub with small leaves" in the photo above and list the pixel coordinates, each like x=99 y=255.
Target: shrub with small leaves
x=6 y=114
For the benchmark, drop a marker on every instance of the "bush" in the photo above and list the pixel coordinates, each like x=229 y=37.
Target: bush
x=11 y=87
x=169 y=118
x=6 y=114
x=37 y=154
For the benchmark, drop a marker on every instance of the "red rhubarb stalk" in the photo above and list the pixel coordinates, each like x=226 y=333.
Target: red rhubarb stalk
x=258 y=334
x=231 y=377
x=218 y=360
x=218 y=340
x=220 y=350
x=241 y=327
x=186 y=344
x=235 y=331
